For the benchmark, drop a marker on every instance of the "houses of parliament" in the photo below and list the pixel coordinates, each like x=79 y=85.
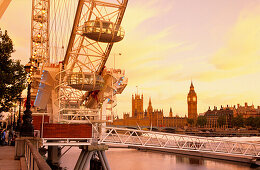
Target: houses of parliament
x=155 y=117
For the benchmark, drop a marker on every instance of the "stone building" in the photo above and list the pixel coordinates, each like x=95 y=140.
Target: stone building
x=213 y=115
x=149 y=117
x=137 y=106
x=247 y=111
x=175 y=121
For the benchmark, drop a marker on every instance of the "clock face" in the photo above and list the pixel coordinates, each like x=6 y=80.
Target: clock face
x=194 y=99
x=189 y=99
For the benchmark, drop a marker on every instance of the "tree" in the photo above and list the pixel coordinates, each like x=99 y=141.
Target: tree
x=221 y=120
x=257 y=122
x=237 y=121
x=190 y=121
x=250 y=121
x=12 y=74
x=202 y=121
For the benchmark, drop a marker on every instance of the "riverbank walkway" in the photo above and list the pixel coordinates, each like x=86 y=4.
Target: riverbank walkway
x=7 y=158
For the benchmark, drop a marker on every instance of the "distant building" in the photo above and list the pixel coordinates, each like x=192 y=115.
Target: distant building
x=149 y=117
x=137 y=106
x=247 y=111
x=155 y=116
x=149 y=111
x=192 y=103
x=175 y=121
x=170 y=114
x=213 y=115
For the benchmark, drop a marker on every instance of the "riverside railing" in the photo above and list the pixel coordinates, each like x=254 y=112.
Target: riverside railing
x=151 y=139
x=34 y=160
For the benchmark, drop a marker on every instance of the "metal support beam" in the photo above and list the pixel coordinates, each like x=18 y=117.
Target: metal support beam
x=73 y=32
x=82 y=153
x=91 y=151
x=105 y=160
x=102 y=160
x=86 y=162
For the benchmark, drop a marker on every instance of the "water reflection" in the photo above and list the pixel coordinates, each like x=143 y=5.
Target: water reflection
x=131 y=159
x=189 y=160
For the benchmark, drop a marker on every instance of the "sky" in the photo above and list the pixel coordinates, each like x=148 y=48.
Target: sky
x=214 y=43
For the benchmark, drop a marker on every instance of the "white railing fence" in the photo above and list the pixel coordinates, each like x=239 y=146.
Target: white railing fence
x=132 y=137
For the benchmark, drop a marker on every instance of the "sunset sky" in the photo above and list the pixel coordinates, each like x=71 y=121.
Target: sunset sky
x=168 y=43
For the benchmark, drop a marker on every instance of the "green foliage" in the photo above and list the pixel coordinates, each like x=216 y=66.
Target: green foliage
x=202 y=121
x=221 y=120
x=190 y=121
x=250 y=122
x=12 y=74
x=257 y=122
x=237 y=121
x=253 y=122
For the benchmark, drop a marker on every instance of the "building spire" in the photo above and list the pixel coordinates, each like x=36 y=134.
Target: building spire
x=150 y=108
x=191 y=85
x=170 y=114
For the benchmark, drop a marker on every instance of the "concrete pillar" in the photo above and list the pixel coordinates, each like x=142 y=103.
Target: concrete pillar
x=54 y=153
x=87 y=153
x=20 y=145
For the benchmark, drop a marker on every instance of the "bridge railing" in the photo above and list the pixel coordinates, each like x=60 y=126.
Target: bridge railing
x=132 y=137
x=34 y=160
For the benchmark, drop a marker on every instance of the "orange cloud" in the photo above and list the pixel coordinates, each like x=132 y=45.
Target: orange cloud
x=213 y=75
x=243 y=45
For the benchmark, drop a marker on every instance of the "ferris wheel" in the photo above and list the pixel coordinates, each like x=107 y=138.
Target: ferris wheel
x=80 y=88
x=70 y=45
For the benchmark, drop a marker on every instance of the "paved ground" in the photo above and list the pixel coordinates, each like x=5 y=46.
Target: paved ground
x=7 y=161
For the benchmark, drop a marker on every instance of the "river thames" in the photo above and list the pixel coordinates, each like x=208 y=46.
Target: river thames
x=131 y=159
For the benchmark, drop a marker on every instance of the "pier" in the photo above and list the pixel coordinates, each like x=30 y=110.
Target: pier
x=246 y=152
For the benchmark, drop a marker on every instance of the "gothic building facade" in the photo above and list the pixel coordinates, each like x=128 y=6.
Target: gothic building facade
x=137 y=106
x=149 y=117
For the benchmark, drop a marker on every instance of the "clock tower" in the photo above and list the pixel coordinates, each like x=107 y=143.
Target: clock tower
x=192 y=103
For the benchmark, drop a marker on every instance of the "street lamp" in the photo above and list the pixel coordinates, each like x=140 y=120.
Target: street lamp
x=27 y=127
x=11 y=119
x=14 y=124
x=115 y=58
x=18 y=127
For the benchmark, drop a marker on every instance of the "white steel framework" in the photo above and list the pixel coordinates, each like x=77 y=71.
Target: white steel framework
x=39 y=32
x=39 y=40
x=150 y=139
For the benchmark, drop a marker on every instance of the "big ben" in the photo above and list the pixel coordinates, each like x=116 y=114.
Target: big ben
x=192 y=103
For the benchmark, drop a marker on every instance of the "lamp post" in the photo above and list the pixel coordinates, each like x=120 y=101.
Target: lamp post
x=115 y=58
x=14 y=124
x=18 y=127
x=11 y=119
x=27 y=127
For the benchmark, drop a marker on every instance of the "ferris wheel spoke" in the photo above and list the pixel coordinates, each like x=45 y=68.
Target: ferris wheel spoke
x=113 y=14
x=99 y=50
